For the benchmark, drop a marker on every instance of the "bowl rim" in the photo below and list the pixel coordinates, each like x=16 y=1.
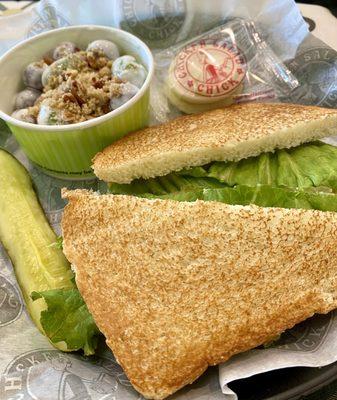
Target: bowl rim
x=95 y=121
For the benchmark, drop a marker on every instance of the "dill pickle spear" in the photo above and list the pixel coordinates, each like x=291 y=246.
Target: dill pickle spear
x=28 y=238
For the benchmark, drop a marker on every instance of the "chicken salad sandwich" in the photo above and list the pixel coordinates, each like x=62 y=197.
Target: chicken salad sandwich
x=219 y=234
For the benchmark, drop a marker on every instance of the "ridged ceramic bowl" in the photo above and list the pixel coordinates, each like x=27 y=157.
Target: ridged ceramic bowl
x=66 y=151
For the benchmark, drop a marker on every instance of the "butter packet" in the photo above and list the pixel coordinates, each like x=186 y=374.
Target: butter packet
x=226 y=65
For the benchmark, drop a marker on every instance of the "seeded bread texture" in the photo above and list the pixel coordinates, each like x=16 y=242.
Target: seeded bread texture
x=226 y=134
x=177 y=286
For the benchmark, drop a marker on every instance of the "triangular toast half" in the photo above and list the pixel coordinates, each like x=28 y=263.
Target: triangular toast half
x=177 y=286
x=226 y=134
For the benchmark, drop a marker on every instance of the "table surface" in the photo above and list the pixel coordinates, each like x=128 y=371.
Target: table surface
x=330 y=4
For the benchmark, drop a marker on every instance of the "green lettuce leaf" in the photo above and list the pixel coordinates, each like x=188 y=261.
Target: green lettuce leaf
x=301 y=177
x=312 y=165
x=67 y=319
x=268 y=196
x=261 y=195
x=59 y=242
x=309 y=165
x=171 y=183
x=198 y=172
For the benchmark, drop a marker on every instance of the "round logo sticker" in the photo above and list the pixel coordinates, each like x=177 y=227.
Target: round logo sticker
x=154 y=20
x=316 y=70
x=209 y=69
x=49 y=191
x=50 y=374
x=306 y=336
x=49 y=18
x=10 y=304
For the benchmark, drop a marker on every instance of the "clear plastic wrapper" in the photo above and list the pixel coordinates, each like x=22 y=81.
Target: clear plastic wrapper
x=226 y=65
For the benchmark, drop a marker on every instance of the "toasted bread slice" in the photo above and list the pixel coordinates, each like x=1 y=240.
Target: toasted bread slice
x=227 y=134
x=176 y=286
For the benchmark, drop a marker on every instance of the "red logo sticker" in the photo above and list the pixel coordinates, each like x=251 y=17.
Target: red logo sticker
x=209 y=68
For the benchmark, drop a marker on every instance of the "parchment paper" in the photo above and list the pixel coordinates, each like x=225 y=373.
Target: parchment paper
x=30 y=367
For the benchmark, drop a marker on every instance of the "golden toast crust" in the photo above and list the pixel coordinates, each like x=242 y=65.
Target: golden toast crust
x=226 y=134
x=176 y=287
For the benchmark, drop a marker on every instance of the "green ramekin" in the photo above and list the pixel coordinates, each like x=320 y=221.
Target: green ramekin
x=66 y=151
